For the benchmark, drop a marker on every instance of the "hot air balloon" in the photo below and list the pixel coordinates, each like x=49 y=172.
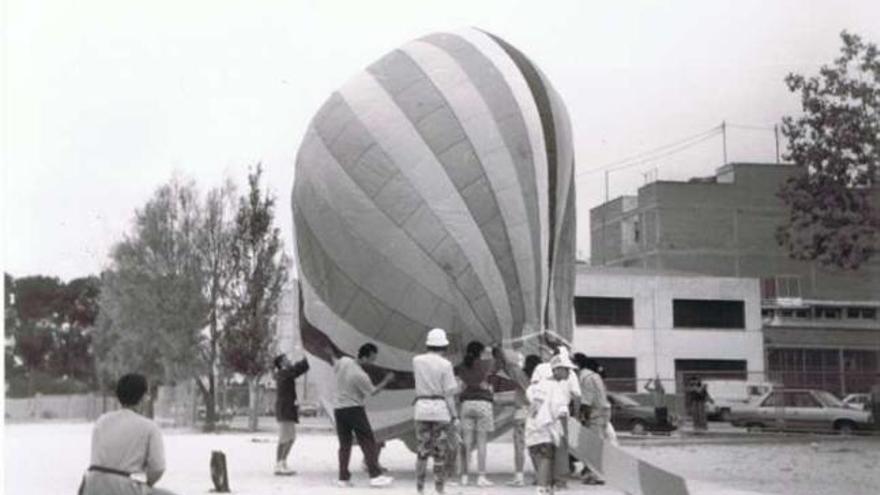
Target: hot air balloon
x=434 y=189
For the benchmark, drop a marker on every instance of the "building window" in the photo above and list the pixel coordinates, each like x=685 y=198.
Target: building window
x=620 y=373
x=861 y=313
x=828 y=312
x=610 y=311
x=708 y=313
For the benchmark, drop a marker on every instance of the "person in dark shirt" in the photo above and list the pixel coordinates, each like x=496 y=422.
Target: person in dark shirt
x=477 y=415
x=286 y=408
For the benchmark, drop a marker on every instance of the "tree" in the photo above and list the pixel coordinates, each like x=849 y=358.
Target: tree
x=833 y=203
x=260 y=272
x=152 y=306
x=215 y=245
x=49 y=325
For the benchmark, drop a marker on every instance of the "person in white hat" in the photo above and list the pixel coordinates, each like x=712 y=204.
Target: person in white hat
x=434 y=410
x=572 y=390
x=548 y=411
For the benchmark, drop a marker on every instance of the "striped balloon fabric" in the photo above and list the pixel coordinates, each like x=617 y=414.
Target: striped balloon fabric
x=434 y=189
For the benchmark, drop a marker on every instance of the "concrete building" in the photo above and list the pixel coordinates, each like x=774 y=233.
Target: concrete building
x=641 y=323
x=821 y=326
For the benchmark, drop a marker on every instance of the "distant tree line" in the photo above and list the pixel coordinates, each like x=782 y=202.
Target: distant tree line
x=191 y=293
x=49 y=334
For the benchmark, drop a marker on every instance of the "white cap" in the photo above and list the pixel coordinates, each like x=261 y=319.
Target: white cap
x=561 y=360
x=437 y=338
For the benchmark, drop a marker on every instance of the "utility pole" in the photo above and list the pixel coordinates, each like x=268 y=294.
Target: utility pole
x=604 y=214
x=776 y=135
x=724 y=139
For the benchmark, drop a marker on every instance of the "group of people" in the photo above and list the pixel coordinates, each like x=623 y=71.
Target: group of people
x=455 y=407
x=454 y=413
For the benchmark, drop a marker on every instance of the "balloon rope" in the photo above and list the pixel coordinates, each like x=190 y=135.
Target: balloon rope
x=538 y=334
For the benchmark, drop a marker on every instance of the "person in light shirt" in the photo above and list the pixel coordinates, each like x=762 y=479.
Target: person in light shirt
x=125 y=443
x=548 y=412
x=434 y=410
x=353 y=386
x=571 y=390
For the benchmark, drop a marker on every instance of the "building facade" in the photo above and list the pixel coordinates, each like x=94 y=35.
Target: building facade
x=821 y=326
x=641 y=323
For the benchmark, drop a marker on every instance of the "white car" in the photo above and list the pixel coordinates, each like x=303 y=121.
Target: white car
x=858 y=401
x=801 y=409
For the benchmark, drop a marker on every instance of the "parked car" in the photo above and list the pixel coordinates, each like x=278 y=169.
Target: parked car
x=801 y=410
x=629 y=415
x=858 y=401
x=729 y=394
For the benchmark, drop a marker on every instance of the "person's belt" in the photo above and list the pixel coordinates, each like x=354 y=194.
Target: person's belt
x=429 y=397
x=102 y=469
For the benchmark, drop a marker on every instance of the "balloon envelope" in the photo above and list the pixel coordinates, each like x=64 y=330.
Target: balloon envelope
x=434 y=189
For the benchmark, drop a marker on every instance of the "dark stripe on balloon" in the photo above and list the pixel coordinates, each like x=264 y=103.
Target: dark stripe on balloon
x=545 y=110
x=346 y=298
x=498 y=96
x=434 y=119
x=354 y=148
x=563 y=279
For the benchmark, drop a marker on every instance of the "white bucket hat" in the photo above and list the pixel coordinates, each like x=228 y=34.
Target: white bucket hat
x=561 y=360
x=437 y=338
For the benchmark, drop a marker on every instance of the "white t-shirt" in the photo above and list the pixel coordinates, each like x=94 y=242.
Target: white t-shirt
x=126 y=441
x=548 y=404
x=353 y=385
x=434 y=377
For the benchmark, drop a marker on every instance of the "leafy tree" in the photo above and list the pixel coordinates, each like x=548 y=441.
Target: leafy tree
x=152 y=306
x=49 y=324
x=260 y=272
x=214 y=244
x=836 y=143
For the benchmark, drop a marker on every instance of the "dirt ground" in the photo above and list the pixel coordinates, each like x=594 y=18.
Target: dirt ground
x=49 y=458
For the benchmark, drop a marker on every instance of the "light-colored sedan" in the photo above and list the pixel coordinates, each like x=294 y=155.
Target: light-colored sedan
x=801 y=410
x=857 y=401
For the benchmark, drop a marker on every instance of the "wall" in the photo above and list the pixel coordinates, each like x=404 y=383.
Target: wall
x=653 y=333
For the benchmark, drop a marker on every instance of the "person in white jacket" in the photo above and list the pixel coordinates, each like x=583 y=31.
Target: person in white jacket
x=548 y=411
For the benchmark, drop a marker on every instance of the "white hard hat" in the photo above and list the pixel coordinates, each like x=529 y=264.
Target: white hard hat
x=437 y=338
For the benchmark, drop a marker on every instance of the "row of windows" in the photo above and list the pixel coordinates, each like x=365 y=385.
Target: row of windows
x=822 y=313
x=686 y=313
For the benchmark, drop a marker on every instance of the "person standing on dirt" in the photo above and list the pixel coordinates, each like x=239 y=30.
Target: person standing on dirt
x=875 y=401
x=658 y=397
x=700 y=398
x=353 y=386
x=434 y=409
x=286 y=408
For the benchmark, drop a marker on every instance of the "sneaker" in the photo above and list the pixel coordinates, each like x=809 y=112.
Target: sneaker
x=483 y=481
x=344 y=483
x=381 y=481
x=518 y=480
x=281 y=469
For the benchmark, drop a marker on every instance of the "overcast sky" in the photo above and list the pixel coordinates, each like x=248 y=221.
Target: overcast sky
x=103 y=101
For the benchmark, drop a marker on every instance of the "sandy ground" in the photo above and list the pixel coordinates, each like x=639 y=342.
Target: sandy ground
x=48 y=458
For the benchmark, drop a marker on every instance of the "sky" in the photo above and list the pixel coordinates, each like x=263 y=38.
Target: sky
x=105 y=101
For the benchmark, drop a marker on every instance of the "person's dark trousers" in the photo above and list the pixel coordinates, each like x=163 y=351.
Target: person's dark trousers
x=661 y=414
x=352 y=422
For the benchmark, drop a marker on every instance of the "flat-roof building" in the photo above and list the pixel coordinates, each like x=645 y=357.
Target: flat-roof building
x=820 y=325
